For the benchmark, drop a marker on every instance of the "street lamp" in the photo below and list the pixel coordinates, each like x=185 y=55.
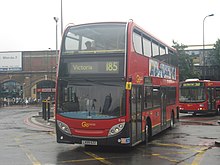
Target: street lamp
x=56 y=20
x=61 y=15
x=203 y=45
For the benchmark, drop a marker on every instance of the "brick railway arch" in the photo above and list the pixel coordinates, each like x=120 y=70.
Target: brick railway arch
x=24 y=87
x=35 y=66
x=43 y=88
x=11 y=91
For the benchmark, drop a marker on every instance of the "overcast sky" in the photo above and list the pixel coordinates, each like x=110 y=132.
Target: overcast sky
x=29 y=24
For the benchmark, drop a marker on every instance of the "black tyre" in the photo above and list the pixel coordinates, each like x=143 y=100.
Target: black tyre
x=172 y=120
x=218 y=111
x=148 y=132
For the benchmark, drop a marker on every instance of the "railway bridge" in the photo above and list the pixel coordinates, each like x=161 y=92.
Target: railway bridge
x=27 y=75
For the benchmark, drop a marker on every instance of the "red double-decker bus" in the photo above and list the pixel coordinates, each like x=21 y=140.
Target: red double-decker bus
x=111 y=87
x=199 y=96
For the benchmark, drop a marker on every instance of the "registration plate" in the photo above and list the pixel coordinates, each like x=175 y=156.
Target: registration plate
x=89 y=142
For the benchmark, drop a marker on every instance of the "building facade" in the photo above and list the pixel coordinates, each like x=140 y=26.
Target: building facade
x=27 y=75
x=204 y=62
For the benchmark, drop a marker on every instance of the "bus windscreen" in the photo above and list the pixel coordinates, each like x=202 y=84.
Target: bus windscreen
x=94 y=39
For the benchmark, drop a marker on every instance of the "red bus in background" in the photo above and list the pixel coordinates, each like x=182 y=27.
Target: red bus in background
x=111 y=87
x=199 y=96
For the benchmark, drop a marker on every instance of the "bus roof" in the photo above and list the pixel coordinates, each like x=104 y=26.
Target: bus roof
x=153 y=37
x=133 y=24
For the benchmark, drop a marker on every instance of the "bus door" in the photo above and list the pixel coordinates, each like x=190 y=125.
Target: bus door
x=163 y=106
x=211 y=99
x=136 y=113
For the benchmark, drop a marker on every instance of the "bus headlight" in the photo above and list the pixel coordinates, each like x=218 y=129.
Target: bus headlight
x=116 y=129
x=201 y=105
x=63 y=127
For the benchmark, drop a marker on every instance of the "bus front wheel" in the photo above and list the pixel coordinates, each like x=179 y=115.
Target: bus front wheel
x=148 y=132
x=172 y=120
x=218 y=111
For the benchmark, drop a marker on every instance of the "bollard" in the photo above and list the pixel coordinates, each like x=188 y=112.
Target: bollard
x=44 y=110
x=48 y=111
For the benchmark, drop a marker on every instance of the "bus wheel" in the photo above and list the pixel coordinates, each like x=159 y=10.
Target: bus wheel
x=218 y=111
x=178 y=113
x=148 y=133
x=172 y=122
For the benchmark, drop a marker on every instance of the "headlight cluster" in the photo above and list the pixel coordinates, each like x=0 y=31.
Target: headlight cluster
x=63 y=127
x=116 y=129
x=201 y=105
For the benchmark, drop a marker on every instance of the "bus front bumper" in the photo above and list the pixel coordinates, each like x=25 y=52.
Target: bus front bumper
x=197 y=111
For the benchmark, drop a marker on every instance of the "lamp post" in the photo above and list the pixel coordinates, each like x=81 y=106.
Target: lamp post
x=56 y=20
x=203 y=45
x=61 y=15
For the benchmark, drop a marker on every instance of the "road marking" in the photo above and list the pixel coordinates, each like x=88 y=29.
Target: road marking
x=96 y=157
x=52 y=134
x=165 y=157
x=28 y=153
x=34 y=124
x=176 y=145
x=199 y=155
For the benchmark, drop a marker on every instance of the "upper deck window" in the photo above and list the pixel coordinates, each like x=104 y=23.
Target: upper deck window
x=147 y=46
x=155 y=49
x=94 y=38
x=137 y=42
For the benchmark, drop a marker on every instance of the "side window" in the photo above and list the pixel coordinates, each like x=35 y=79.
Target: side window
x=151 y=97
x=171 y=95
x=148 y=102
x=137 y=42
x=156 y=96
x=155 y=49
x=218 y=92
x=162 y=50
x=147 y=47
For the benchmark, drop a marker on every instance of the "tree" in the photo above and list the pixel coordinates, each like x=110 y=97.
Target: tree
x=216 y=52
x=185 y=63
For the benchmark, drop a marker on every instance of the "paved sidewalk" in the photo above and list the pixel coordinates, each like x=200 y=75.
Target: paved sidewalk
x=36 y=117
x=38 y=120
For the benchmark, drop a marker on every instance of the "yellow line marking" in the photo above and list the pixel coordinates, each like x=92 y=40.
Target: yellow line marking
x=52 y=134
x=94 y=158
x=28 y=153
x=165 y=157
x=199 y=153
x=75 y=161
x=103 y=160
x=198 y=157
x=177 y=145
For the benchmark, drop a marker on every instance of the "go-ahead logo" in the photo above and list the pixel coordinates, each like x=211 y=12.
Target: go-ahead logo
x=84 y=124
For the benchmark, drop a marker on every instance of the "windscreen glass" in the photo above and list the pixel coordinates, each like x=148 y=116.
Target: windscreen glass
x=91 y=99
x=94 y=38
x=192 y=94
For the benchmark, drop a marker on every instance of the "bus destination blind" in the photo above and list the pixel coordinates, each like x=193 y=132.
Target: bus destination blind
x=96 y=67
x=192 y=84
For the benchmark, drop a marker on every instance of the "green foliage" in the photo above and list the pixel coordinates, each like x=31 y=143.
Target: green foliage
x=216 y=52
x=185 y=63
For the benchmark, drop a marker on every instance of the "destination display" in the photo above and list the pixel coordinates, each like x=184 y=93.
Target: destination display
x=95 y=67
x=192 y=84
